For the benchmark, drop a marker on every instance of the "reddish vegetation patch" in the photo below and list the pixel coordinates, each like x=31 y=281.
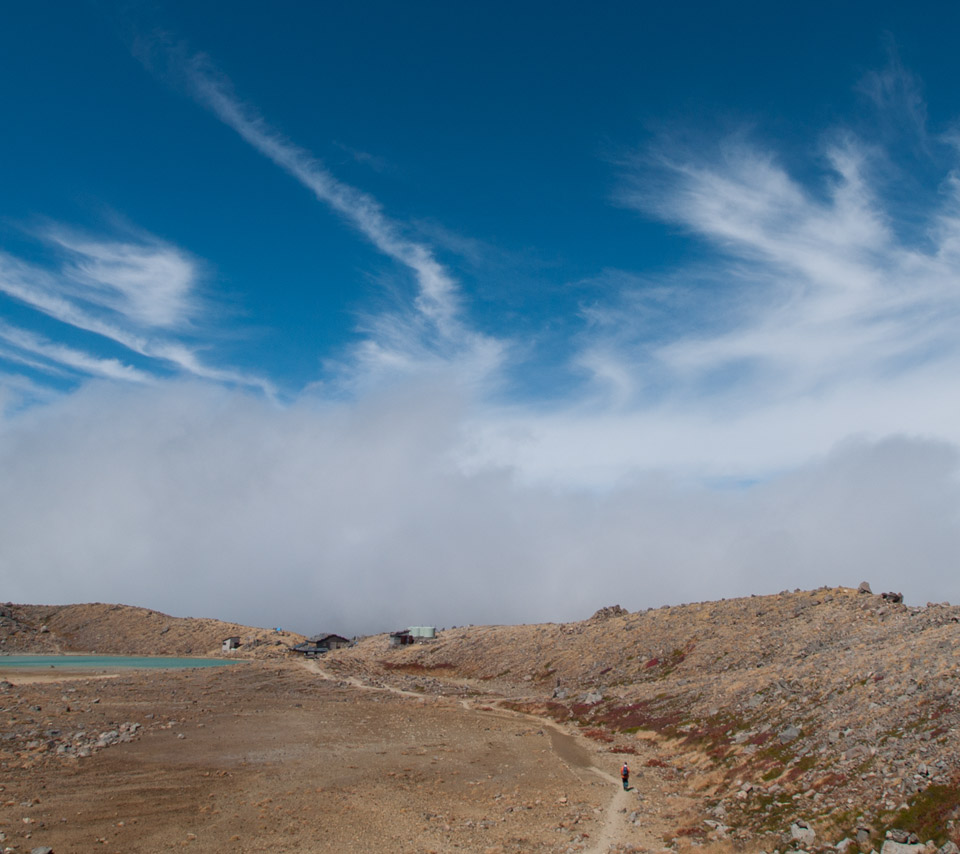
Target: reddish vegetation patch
x=796 y=772
x=691 y=831
x=713 y=736
x=668 y=663
x=830 y=781
x=660 y=715
x=656 y=763
x=582 y=711
x=599 y=735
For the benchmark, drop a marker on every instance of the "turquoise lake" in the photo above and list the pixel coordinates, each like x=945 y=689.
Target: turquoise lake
x=109 y=662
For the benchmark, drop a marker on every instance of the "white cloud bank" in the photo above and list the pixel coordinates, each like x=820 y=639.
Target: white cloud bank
x=357 y=517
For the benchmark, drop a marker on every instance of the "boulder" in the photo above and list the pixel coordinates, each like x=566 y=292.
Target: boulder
x=891 y=847
x=609 y=611
x=802 y=833
x=789 y=734
x=864 y=587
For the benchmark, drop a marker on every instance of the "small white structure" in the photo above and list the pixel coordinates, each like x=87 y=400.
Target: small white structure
x=414 y=634
x=423 y=632
x=230 y=644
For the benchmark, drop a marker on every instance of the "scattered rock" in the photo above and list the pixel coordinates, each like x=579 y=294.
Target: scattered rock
x=791 y=733
x=609 y=612
x=891 y=847
x=802 y=833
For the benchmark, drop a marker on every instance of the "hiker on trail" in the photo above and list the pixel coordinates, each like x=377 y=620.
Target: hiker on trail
x=625 y=776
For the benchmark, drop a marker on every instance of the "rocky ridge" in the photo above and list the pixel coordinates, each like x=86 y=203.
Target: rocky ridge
x=127 y=630
x=833 y=707
x=807 y=720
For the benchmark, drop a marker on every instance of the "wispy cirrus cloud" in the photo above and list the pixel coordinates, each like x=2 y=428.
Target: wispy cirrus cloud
x=69 y=357
x=819 y=307
x=150 y=284
x=434 y=334
x=818 y=289
x=138 y=295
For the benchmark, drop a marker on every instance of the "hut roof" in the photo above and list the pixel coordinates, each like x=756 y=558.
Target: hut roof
x=320 y=639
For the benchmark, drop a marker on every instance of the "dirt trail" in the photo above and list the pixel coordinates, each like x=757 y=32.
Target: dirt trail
x=357 y=682
x=615 y=826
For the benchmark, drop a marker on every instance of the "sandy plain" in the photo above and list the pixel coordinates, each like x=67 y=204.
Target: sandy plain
x=279 y=756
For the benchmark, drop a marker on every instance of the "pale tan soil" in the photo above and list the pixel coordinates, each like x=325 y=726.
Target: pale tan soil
x=739 y=717
x=127 y=630
x=27 y=676
x=275 y=758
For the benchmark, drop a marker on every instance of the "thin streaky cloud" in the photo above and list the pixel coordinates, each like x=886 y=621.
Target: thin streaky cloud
x=41 y=290
x=70 y=357
x=400 y=343
x=151 y=285
x=50 y=294
x=818 y=290
x=897 y=96
x=186 y=358
x=438 y=298
x=9 y=355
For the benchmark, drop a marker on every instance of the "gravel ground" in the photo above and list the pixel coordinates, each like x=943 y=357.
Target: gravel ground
x=270 y=757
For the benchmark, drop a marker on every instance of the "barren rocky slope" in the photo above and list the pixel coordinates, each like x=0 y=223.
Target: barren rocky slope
x=830 y=706
x=801 y=719
x=126 y=630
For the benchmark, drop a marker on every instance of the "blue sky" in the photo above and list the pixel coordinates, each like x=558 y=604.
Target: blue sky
x=446 y=314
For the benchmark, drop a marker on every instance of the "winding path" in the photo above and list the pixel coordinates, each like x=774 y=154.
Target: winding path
x=615 y=825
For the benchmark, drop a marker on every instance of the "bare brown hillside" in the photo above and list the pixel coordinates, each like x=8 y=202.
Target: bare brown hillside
x=127 y=630
x=798 y=719
x=833 y=706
